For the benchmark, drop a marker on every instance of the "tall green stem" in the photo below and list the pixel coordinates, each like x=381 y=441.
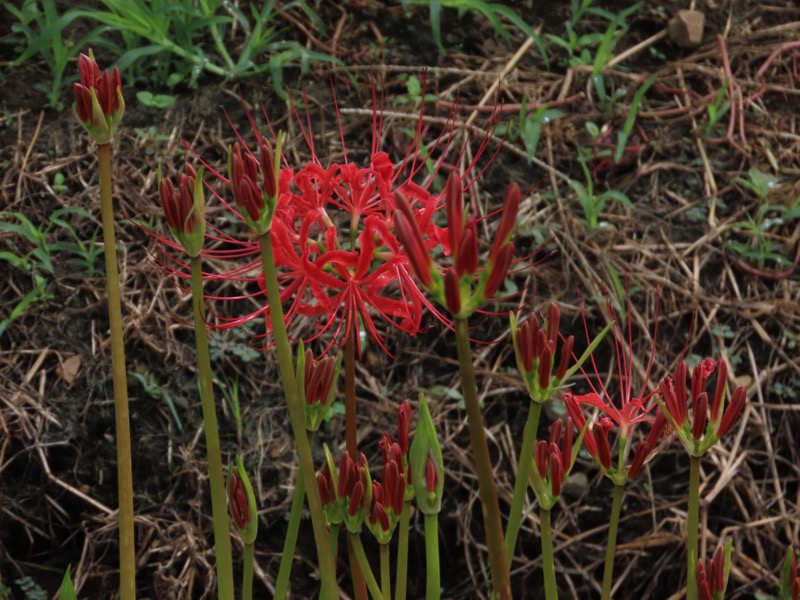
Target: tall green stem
x=692 y=525
x=401 y=576
x=386 y=575
x=219 y=499
x=361 y=557
x=297 y=419
x=351 y=440
x=548 y=563
x=127 y=554
x=289 y=544
x=247 y=572
x=493 y=524
x=611 y=545
x=523 y=474
x=432 y=568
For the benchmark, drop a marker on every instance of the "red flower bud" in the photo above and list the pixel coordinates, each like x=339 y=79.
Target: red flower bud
x=507 y=220
x=466 y=260
x=454 y=205
x=545 y=365
x=733 y=411
x=410 y=235
x=238 y=500
x=700 y=409
x=639 y=456
x=499 y=270
x=719 y=391
x=566 y=354
x=452 y=291
x=540 y=456
x=553 y=318
x=556 y=473
x=600 y=435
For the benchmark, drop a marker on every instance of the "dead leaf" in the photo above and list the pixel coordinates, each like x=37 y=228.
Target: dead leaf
x=69 y=369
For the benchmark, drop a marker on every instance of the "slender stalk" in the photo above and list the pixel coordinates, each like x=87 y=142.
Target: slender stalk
x=493 y=525
x=351 y=439
x=611 y=545
x=363 y=562
x=692 y=525
x=523 y=474
x=219 y=498
x=401 y=582
x=333 y=539
x=247 y=572
x=127 y=554
x=548 y=564
x=297 y=419
x=289 y=544
x=432 y=574
x=386 y=575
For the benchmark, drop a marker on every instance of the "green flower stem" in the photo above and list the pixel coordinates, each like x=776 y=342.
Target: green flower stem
x=351 y=439
x=548 y=564
x=361 y=556
x=692 y=525
x=297 y=418
x=289 y=544
x=523 y=474
x=493 y=524
x=247 y=572
x=127 y=554
x=432 y=575
x=401 y=582
x=333 y=539
x=386 y=576
x=611 y=545
x=219 y=498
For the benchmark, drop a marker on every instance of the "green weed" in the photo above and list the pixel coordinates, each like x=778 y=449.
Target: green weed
x=591 y=202
x=166 y=42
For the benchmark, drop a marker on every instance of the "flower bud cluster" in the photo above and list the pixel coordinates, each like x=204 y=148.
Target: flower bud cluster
x=184 y=208
x=535 y=348
x=553 y=462
x=712 y=578
x=456 y=289
x=98 y=99
x=705 y=427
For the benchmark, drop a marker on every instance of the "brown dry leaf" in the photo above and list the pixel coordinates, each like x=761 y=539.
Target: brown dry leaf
x=69 y=369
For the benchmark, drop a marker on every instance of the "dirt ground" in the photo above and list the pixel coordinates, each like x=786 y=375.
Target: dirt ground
x=707 y=246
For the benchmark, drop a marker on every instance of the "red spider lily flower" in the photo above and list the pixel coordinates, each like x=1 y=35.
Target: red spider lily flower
x=336 y=231
x=98 y=99
x=702 y=432
x=553 y=462
x=242 y=501
x=712 y=578
x=184 y=209
x=624 y=414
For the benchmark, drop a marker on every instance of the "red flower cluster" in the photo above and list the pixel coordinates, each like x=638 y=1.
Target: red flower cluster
x=336 y=236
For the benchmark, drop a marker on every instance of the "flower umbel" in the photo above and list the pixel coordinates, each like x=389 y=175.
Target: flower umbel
x=705 y=428
x=98 y=99
x=712 y=578
x=185 y=208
